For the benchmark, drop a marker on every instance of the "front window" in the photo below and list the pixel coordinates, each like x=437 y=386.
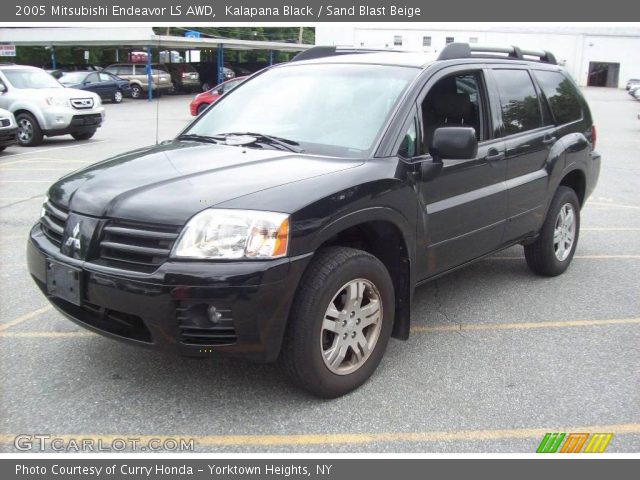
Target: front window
x=30 y=78
x=330 y=109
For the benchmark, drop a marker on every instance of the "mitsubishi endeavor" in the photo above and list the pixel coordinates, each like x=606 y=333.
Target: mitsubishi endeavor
x=293 y=224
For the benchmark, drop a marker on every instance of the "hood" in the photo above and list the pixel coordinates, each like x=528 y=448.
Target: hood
x=64 y=92
x=169 y=183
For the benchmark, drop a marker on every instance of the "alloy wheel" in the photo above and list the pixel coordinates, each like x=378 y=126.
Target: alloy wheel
x=564 y=232
x=351 y=326
x=25 y=130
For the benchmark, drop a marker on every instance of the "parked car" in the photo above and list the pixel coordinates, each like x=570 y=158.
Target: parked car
x=184 y=76
x=208 y=73
x=287 y=224
x=635 y=92
x=633 y=82
x=136 y=74
x=108 y=86
x=8 y=129
x=43 y=107
x=204 y=99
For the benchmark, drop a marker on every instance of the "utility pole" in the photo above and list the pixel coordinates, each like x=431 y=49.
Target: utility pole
x=300 y=34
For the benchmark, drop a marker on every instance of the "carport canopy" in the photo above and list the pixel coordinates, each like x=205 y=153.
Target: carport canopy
x=123 y=37
x=132 y=37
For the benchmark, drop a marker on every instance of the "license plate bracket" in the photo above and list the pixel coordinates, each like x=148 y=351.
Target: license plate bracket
x=64 y=282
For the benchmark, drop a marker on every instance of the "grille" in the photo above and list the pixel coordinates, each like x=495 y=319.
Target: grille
x=113 y=321
x=52 y=222
x=135 y=246
x=82 y=103
x=196 y=328
x=5 y=122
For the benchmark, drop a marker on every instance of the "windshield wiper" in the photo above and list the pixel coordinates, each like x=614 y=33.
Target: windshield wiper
x=200 y=138
x=286 y=144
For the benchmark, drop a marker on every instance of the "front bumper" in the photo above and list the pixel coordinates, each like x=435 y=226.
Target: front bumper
x=158 y=310
x=8 y=136
x=59 y=121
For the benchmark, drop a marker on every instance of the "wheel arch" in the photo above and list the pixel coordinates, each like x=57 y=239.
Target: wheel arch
x=385 y=234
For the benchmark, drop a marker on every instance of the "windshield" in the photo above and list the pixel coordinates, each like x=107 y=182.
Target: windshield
x=331 y=109
x=29 y=78
x=71 y=78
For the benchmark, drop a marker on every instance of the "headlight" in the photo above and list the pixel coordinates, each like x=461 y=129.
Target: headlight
x=58 y=102
x=233 y=234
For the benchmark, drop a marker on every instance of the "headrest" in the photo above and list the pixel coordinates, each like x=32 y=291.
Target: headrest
x=455 y=107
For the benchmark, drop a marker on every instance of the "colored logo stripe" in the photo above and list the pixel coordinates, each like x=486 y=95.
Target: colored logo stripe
x=574 y=442
x=598 y=442
x=550 y=443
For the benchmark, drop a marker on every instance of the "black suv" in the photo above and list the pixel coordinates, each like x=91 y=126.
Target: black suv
x=294 y=223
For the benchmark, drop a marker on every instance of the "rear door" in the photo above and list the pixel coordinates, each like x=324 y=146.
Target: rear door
x=529 y=136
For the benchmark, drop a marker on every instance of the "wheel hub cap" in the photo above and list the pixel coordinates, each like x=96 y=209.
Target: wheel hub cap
x=26 y=130
x=351 y=326
x=564 y=232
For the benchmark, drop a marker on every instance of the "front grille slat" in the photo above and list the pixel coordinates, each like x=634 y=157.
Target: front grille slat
x=136 y=246
x=53 y=221
x=154 y=252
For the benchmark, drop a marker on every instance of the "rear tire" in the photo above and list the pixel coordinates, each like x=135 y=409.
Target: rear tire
x=552 y=252
x=340 y=322
x=29 y=132
x=83 y=135
x=136 y=91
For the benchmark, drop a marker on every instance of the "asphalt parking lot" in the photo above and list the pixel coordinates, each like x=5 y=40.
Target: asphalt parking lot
x=497 y=357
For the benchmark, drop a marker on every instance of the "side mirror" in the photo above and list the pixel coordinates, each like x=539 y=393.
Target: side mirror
x=3 y=88
x=455 y=143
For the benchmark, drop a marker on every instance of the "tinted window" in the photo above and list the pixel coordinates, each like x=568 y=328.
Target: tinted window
x=104 y=77
x=562 y=96
x=93 y=78
x=520 y=106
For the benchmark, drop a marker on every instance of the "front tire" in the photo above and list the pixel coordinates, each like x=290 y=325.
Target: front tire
x=552 y=252
x=117 y=96
x=340 y=323
x=29 y=132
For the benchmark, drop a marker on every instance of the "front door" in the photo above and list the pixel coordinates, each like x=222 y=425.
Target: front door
x=464 y=207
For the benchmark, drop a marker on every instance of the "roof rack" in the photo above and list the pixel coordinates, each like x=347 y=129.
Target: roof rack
x=324 y=51
x=464 y=50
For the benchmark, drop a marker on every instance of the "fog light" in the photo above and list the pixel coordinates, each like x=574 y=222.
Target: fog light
x=214 y=315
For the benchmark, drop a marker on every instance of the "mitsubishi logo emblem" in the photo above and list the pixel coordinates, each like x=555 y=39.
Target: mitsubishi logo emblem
x=73 y=241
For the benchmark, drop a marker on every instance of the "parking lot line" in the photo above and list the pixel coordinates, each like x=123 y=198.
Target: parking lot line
x=582 y=257
x=46 y=334
x=51 y=149
x=26 y=181
x=414 y=329
x=25 y=317
x=42 y=160
x=523 y=325
x=351 y=438
x=612 y=205
x=610 y=229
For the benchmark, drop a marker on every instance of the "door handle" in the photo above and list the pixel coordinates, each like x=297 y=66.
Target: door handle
x=494 y=155
x=548 y=140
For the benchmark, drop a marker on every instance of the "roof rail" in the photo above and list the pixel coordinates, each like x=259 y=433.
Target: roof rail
x=464 y=50
x=324 y=51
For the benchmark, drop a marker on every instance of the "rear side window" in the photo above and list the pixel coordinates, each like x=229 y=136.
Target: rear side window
x=519 y=101
x=562 y=96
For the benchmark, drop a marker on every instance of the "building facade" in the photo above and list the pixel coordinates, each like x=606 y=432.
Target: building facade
x=604 y=56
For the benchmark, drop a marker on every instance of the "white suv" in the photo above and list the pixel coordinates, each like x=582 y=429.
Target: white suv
x=42 y=106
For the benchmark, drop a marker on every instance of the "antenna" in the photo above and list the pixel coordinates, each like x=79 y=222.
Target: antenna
x=158 y=95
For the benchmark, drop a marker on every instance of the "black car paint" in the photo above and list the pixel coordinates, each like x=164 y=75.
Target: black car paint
x=473 y=208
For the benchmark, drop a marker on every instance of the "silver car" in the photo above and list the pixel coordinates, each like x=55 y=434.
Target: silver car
x=44 y=107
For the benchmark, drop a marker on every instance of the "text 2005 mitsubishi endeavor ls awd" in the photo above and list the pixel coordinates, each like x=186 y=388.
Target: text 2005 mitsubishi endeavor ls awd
x=293 y=220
